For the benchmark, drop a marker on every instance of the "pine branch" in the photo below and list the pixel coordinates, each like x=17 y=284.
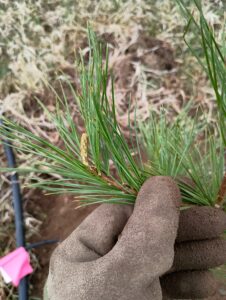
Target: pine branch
x=83 y=165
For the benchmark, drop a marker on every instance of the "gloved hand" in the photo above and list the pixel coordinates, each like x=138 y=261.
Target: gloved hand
x=198 y=248
x=120 y=253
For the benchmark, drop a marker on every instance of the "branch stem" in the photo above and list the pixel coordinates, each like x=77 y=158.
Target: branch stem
x=222 y=192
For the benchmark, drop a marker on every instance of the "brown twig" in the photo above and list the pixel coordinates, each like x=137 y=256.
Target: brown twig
x=115 y=184
x=111 y=181
x=222 y=192
x=85 y=160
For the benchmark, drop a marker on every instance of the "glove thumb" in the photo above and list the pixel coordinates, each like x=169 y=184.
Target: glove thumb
x=146 y=245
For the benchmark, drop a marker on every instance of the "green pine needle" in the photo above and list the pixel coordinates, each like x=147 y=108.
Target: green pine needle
x=174 y=149
x=212 y=52
x=98 y=166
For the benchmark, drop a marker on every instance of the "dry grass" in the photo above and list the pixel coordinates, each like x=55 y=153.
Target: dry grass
x=40 y=39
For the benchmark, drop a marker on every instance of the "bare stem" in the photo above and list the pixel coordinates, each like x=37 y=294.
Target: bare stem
x=118 y=186
x=111 y=181
x=222 y=192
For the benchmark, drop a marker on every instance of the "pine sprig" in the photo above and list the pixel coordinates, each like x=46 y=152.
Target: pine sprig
x=175 y=149
x=84 y=167
x=213 y=64
x=97 y=165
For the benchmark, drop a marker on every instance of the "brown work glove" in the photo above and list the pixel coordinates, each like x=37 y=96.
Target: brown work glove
x=120 y=253
x=198 y=247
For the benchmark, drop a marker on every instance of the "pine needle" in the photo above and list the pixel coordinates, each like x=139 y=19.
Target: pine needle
x=214 y=64
x=99 y=166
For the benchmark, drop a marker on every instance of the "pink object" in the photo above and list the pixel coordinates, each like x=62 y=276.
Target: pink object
x=15 y=266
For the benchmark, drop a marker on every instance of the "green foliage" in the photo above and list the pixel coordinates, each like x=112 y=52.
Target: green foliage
x=213 y=51
x=161 y=138
x=185 y=148
x=98 y=165
x=105 y=143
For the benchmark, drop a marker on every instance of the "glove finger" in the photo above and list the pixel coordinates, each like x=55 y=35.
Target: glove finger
x=189 y=284
x=200 y=223
x=199 y=255
x=215 y=297
x=98 y=233
x=146 y=245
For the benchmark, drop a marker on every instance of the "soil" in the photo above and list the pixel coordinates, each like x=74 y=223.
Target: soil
x=151 y=52
x=156 y=53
